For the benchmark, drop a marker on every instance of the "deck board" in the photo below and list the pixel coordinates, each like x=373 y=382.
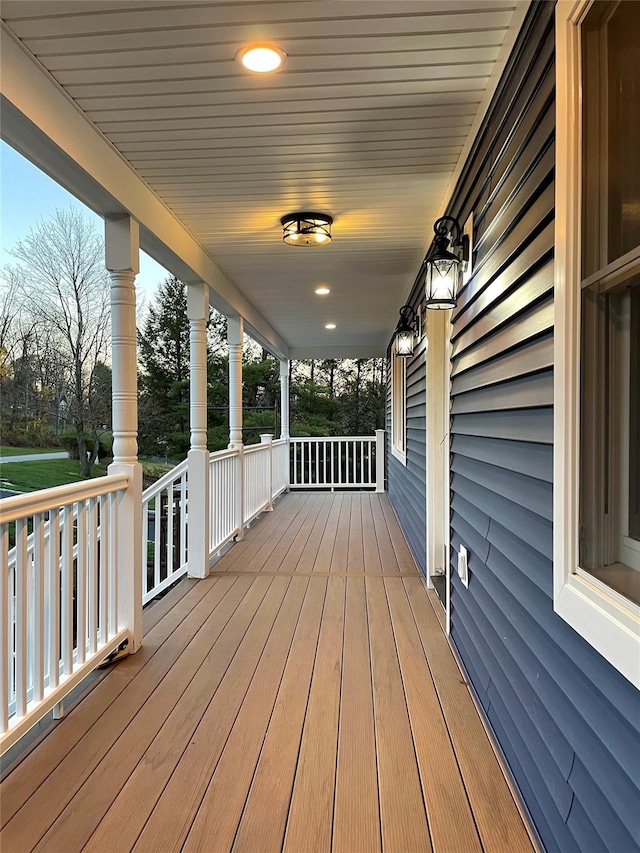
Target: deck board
x=302 y=698
x=309 y=826
x=219 y=813
x=371 y=552
x=264 y=818
x=402 y=814
x=176 y=808
x=488 y=794
x=357 y=811
x=443 y=790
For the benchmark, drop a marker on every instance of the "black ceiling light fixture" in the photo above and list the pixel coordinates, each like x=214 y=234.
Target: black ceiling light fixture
x=406 y=332
x=444 y=263
x=307 y=229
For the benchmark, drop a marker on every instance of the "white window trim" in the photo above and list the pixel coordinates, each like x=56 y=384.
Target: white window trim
x=398 y=396
x=595 y=612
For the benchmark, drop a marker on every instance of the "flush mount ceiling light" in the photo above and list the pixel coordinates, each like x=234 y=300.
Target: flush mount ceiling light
x=307 y=229
x=322 y=291
x=329 y=325
x=261 y=58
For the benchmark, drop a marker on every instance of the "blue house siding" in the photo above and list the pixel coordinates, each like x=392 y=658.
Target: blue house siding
x=406 y=485
x=566 y=721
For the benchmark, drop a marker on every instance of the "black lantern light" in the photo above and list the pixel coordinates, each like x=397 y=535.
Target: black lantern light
x=406 y=332
x=444 y=263
x=307 y=229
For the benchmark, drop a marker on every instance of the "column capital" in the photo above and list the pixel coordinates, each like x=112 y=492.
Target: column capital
x=122 y=243
x=198 y=301
x=235 y=330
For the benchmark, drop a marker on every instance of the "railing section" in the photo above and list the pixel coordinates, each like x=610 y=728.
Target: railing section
x=279 y=467
x=58 y=595
x=256 y=480
x=224 y=479
x=335 y=462
x=164 y=526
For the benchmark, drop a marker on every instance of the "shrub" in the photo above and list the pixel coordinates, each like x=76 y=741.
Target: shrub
x=27 y=438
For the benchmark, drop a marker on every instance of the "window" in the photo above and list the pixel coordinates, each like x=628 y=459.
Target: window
x=398 y=406
x=597 y=348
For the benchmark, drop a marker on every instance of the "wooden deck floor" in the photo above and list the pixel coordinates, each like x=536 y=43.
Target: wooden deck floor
x=303 y=698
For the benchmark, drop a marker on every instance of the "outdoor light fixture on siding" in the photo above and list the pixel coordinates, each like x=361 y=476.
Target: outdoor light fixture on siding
x=444 y=263
x=307 y=229
x=406 y=331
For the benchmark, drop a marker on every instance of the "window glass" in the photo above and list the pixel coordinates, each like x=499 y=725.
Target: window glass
x=609 y=534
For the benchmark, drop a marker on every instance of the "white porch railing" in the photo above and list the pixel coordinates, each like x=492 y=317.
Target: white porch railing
x=58 y=559
x=164 y=532
x=353 y=462
x=279 y=467
x=257 y=474
x=224 y=496
x=58 y=595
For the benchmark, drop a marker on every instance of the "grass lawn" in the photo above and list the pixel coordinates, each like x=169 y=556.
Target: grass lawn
x=43 y=474
x=23 y=451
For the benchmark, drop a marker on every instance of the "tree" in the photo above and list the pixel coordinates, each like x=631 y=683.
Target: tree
x=164 y=380
x=65 y=288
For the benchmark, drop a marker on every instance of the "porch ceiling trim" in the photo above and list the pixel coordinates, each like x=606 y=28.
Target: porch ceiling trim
x=41 y=122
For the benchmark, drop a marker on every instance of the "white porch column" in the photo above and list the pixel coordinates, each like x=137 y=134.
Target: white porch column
x=235 y=332
x=121 y=257
x=284 y=398
x=198 y=456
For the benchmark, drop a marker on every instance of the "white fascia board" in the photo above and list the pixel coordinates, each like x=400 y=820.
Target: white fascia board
x=41 y=122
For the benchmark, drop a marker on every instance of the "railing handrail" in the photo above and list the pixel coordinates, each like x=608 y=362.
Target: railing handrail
x=46 y=499
x=331 y=438
x=254 y=448
x=227 y=453
x=164 y=481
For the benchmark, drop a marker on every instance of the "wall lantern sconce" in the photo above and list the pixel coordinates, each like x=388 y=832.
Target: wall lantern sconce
x=307 y=229
x=444 y=263
x=406 y=332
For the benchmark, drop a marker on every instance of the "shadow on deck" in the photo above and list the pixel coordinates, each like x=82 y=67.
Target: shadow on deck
x=302 y=698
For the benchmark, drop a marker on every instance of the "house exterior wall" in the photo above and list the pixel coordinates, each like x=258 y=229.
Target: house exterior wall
x=566 y=721
x=406 y=485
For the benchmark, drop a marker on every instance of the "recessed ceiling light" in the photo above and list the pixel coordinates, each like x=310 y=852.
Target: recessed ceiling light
x=329 y=325
x=261 y=58
x=322 y=291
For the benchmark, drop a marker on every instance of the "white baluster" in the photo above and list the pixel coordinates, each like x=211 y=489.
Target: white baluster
x=67 y=590
x=92 y=573
x=53 y=597
x=81 y=584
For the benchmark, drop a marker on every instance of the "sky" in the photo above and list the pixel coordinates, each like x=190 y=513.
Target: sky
x=27 y=195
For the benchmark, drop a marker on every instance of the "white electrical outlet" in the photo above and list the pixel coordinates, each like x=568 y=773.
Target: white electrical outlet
x=463 y=566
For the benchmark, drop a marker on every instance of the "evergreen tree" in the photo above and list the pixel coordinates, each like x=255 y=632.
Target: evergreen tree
x=164 y=380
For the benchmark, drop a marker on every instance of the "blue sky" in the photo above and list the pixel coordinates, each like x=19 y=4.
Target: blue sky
x=27 y=194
